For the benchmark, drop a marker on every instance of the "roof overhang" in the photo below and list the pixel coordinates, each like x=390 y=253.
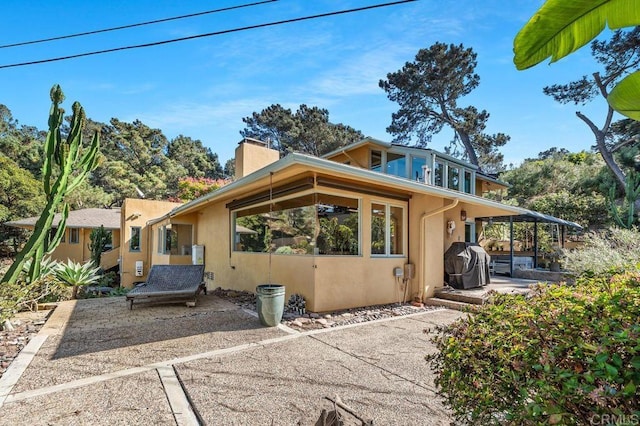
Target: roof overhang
x=354 y=178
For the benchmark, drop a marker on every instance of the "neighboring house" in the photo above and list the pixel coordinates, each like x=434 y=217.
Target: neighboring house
x=368 y=224
x=76 y=239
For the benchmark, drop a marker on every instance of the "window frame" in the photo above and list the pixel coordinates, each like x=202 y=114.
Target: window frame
x=72 y=232
x=139 y=231
x=161 y=246
x=387 y=231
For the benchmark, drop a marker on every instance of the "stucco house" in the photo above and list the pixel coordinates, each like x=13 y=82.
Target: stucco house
x=365 y=225
x=76 y=239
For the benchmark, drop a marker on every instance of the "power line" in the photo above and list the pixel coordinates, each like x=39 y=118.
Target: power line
x=234 y=30
x=140 y=24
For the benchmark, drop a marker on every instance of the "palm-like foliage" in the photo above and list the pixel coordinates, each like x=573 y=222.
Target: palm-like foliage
x=561 y=27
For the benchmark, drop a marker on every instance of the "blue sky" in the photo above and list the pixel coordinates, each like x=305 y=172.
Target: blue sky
x=203 y=88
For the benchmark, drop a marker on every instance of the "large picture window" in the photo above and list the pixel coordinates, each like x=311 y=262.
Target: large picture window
x=319 y=224
x=387 y=229
x=396 y=164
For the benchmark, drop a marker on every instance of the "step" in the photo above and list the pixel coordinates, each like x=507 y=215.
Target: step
x=458 y=296
x=451 y=304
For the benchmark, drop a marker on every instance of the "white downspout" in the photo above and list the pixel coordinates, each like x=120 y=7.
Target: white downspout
x=423 y=242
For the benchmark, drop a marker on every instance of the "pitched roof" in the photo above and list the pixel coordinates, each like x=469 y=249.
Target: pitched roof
x=84 y=218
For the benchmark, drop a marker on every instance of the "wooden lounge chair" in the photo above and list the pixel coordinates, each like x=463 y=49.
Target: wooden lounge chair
x=170 y=283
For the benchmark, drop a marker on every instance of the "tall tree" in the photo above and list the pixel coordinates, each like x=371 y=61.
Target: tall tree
x=196 y=159
x=616 y=57
x=567 y=185
x=308 y=130
x=135 y=162
x=428 y=90
x=230 y=168
x=21 y=196
x=22 y=144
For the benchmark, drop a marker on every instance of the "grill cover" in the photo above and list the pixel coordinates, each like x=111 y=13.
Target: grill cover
x=466 y=265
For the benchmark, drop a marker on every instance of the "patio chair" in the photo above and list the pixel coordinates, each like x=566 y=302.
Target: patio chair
x=170 y=283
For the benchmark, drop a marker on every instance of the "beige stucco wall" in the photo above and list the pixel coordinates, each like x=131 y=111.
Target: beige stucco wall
x=358 y=157
x=429 y=264
x=78 y=252
x=137 y=212
x=327 y=282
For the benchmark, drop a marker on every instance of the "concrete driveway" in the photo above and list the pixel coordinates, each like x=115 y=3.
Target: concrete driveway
x=96 y=362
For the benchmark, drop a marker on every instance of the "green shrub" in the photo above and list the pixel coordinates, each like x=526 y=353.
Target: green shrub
x=614 y=248
x=563 y=355
x=23 y=295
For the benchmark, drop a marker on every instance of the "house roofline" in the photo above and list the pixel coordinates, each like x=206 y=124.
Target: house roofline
x=355 y=172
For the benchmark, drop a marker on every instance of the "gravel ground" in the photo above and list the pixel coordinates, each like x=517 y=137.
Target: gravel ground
x=298 y=320
x=25 y=326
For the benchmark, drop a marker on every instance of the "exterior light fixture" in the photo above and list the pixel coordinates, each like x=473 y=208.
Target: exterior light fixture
x=463 y=215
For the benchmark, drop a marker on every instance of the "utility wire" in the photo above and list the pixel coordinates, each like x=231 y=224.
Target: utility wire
x=234 y=30
x=140 y=24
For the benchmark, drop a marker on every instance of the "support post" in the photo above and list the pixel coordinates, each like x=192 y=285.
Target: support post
x=511 y=246
x=535 y=243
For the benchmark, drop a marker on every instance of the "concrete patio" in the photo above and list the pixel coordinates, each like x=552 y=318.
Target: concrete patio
x=96 y=362
x=459 y=299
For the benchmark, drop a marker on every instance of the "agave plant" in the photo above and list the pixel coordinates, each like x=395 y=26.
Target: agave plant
x=47 y=268
x=77 y=274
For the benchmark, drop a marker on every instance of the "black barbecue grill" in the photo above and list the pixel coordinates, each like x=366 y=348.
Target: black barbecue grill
x=466 y=265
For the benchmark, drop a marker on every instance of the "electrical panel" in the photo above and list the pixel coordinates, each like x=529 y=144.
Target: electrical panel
x=197 y=255
x=139 y=268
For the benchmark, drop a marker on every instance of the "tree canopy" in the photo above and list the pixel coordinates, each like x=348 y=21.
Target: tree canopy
x=308 y=130
x=571 y=186
x=428 y=91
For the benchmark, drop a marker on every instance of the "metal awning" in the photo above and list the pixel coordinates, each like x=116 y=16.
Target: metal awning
x=531 y=216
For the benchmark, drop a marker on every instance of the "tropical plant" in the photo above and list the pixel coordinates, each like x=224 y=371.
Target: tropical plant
x=99 y=239
x=624 y=215
x=560 y=27
x=71 y=168
x=563 y=355
x=77 y=274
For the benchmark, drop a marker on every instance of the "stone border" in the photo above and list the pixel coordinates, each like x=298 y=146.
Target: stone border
x=54 y=325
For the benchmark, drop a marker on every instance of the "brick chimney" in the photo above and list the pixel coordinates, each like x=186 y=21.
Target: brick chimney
x=253 y=154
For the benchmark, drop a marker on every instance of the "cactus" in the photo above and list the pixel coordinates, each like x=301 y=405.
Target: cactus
x=73 y=167
x=625 y=216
